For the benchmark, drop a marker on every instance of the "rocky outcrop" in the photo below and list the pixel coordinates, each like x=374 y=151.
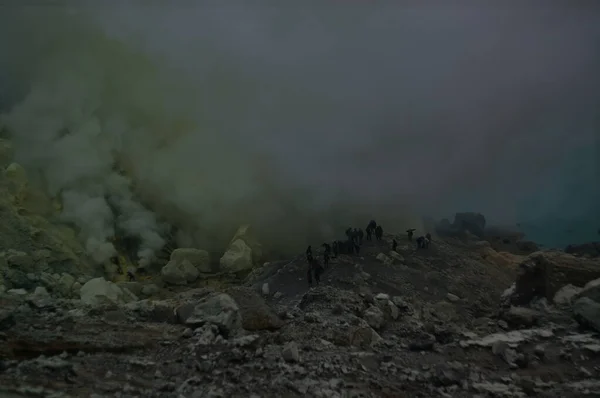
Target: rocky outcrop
x=247 y=234
x=99 y=291
x=543 y=274
x=590 y=250
x=587 y=313
x=255 y=312
x=219 y=310
x=198 y=258
x=238 y=258
x=179 y=272
x=473 y=223
x=43 y=246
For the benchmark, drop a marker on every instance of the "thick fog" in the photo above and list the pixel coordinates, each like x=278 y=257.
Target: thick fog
x=305 y=119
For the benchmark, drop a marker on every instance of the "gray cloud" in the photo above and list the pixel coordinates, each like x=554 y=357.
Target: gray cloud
x=277 y=115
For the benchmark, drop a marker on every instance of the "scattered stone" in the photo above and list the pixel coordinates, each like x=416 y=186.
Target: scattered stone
x=452 y=298
x=521 y=316
x=265 y=289
x=290 y=353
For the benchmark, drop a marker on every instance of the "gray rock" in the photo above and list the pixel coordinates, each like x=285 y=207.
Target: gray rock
x=64 y=285
x=99 y=291
x=591 y=290
x=374 y=317
x=220 y=310
x=452 y=298
x=265 y=289
x=521 y=316
x=587 y=313
x=7 y=319
x=290 y=352
x=564 y=297
x=150 y=290
x=179 y=272
x=198 y=258
x=133 y=287
x=384 y=259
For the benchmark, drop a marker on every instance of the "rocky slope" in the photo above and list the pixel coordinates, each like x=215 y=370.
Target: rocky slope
x=411 y=323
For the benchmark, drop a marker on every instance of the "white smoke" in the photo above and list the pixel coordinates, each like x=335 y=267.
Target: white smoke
x=59 y=134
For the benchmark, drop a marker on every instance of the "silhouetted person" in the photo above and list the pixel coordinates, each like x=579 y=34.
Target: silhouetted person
x=372 y=225
x=369 y=233
x=350 y=246
x=426 y=243
x=318 y=270
x=410 y=233
x=327 y=248
x=361 y=235
x=394 y=245
x=428 y=236
x=379 y=232
x=309 y=274
x=421 y=242
x=309 y=255
x=349 y=233
x=130 y=276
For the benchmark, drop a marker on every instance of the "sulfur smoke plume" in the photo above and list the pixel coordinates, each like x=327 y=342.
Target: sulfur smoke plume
x=299 y=120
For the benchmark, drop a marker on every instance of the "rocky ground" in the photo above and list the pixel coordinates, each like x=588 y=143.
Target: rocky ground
x=428 y=323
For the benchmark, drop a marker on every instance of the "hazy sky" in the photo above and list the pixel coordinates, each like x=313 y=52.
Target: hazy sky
x=439 y=107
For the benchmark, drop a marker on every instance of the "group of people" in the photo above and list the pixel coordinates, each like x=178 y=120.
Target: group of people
x=351 y=245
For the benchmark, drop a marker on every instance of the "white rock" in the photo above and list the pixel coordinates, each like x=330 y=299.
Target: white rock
x=237 y=258
x=220 y=310
x=198 y=258
x=265 y=289
x=382 y=296
x=384 y=259
x=179 y=273
x=396 y=256
x=98 y=291
x=374 y=317
x=17 y=292
x=452 y=298
x=565 y=295
x=41 y=291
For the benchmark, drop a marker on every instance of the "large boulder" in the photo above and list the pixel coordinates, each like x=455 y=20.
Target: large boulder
x=248 y=235
x=198 y=258
x=587 y=313
x=99 y=291
x=179 y=272
x=543 y=274
x=591 y=290
x=237 y=258
x=219 y=310
x=255 y=312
